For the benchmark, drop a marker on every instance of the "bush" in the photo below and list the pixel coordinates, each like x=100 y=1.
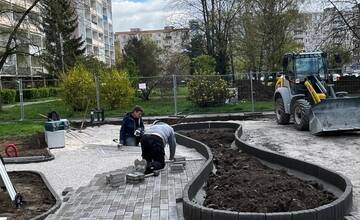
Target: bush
x=207 y=91
x=53 y=92
x=116 y=89
x=204 y=64
x=8 y=96
x=78 y=88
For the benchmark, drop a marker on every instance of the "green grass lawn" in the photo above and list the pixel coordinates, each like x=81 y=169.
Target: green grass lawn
x=157 y=106
x=17 y=129
x=154 y=107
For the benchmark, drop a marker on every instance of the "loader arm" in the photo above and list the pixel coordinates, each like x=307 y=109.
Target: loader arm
x=317 y=97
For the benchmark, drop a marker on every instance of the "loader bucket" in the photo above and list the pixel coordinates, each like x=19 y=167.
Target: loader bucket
x=335 y=115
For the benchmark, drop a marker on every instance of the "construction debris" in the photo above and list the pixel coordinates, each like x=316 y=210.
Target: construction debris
x=67 y=190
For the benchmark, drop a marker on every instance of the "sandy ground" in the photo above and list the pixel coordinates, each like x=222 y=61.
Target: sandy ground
x=88 y=153
x=339 y=153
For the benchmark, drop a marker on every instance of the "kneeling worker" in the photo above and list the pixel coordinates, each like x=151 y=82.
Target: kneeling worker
x=153 y=144
x=131 y=127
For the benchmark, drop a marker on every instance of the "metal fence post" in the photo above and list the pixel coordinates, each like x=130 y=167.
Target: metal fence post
x=175 y=95
x=252 y=93
x=97 y=92
x=21 y=96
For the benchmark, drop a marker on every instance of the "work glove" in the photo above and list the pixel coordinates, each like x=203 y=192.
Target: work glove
x=138 y=132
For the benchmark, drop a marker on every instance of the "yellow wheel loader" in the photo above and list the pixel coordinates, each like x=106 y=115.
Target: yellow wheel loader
x=301 y=93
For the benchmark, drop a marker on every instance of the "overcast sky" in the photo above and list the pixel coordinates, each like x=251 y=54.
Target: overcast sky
x=155 y=14
x=145 y=14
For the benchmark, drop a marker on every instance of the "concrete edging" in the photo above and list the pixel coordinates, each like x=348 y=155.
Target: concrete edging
x=30 y=159
x=333 y=211
x=57 y=205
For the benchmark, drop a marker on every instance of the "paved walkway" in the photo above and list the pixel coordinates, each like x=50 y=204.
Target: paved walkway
x=156 y=198
x=87 y=153
x=92 y=152
x=29 y=103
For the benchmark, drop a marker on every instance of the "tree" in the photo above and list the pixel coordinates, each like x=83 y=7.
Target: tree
x=204 y=64
x=350 y=26
x=144 y=55
x=265 y=33
x=196 y=46
x=217 y=19
x=334 y=53
x=12 y=44
x=59 y=23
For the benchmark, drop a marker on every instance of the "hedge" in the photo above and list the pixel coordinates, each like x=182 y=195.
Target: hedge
x=38 y=93
x=10 y=96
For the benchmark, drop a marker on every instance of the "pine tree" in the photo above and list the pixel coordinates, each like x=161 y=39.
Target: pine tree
x=59 y=23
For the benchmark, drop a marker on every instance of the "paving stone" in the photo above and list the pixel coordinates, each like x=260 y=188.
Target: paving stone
x=177 y=159
x=110 y=215
x=154 y=198
x=176 y=168
x=183 y=163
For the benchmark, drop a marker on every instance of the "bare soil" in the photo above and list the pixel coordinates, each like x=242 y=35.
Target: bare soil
x=38 y=199
x=34 y=145
x=242 y=183
x=339 y=153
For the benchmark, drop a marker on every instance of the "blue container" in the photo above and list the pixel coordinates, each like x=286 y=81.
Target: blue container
x=63 y=124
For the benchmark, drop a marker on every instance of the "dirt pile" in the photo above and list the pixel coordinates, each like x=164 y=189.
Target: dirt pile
x=38 y=199
x=242 y=183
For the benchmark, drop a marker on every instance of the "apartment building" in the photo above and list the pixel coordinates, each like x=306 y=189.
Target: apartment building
x=96 y=29
x=29 y=41
x=311 y=36
x=322 y=29
x=94 y=25
x=169 y=38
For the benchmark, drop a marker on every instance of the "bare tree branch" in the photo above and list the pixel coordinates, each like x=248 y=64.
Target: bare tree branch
x=14 y=33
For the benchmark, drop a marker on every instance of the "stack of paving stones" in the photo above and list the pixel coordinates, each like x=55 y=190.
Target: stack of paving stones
x=178 y=165
x=135 y=177
x=116 y=179
x=155 y=198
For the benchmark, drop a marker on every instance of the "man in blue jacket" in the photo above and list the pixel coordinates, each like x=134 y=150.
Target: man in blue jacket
x=153 y=144
x=132 y=127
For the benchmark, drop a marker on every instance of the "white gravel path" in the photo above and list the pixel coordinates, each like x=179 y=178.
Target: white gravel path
x=339 y=153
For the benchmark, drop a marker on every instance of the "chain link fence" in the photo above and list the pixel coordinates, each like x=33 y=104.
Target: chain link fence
x=159 y=95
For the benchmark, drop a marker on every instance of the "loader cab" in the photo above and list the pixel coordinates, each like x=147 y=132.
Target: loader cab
x=299 y=66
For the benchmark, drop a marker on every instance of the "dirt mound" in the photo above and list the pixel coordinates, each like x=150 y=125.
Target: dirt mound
x=242 y=183
x=38 y=199
x=34 y=145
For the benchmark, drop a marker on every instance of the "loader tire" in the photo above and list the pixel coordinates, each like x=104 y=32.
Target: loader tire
x=282 y=118
x=301 y=114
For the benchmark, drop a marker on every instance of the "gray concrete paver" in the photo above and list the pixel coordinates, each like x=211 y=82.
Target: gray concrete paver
x=153 y=199
x=88 y=157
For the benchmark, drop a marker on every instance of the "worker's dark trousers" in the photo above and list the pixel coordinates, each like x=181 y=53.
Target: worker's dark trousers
x=153 y=151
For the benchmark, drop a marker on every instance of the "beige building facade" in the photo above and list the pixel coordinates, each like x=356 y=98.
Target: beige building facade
x=170 y=38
